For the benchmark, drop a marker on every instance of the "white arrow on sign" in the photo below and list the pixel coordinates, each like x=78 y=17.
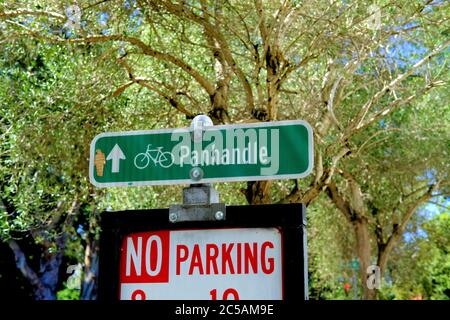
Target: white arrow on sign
x=116 y=155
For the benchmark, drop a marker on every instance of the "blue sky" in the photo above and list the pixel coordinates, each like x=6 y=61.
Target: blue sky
x=426 y=212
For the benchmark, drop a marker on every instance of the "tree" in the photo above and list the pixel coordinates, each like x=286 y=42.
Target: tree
x=422 y=267
x=274 y=55
x=42 y=189
x=380 y=193
x=329 y=63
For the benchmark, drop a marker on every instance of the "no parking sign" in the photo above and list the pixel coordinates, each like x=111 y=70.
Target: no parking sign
x=226 y=264
x=257 y=253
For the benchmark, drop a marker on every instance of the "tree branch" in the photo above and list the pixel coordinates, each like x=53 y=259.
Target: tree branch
x=358 y=123
x=342 y=204
x=400 y=228
x=147 y=50
x=395 y=104
x=146 y=83
x=184 y=13
x=440 y=205
x=22 y=265
x=171 y=99
x=31 y=12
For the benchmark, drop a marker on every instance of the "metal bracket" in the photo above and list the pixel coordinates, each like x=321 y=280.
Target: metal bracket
x=200 y=203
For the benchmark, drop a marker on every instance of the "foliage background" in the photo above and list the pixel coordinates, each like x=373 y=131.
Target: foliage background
x=375 y=91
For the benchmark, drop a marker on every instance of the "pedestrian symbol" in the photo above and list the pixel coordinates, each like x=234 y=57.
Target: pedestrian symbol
x=99 y=162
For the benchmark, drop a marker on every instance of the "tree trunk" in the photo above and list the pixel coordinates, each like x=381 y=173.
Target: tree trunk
x=44 y=287
x=258 y=192
x=273 y=64
x=89 y=283
x=45 y=281
x=354 y=212
x=360 y=227
x=50 y=275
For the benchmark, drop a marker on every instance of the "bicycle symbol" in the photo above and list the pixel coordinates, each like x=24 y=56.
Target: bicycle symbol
x=164 y=159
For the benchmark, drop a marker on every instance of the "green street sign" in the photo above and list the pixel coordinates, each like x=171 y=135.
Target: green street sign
x=244 y=152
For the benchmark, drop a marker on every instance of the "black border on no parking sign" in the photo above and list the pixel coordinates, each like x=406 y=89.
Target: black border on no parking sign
x=290 y=218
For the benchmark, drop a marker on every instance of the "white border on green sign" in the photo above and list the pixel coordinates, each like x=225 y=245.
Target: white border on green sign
x=208 y=180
